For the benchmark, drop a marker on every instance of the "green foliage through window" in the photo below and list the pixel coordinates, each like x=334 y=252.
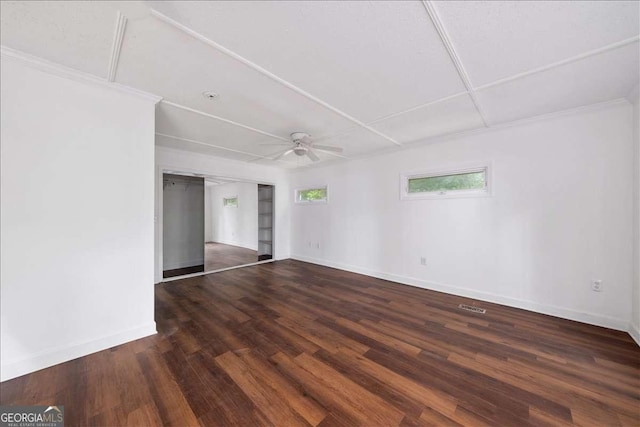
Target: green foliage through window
x=230 y=202
x=312 y=195
x=453 y=182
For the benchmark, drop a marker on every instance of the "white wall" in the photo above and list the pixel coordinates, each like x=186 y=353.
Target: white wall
x=178 y=160
x=77 y=193
x=183 y=222
x=634 y=327
x=560 y=215
x=236 y=226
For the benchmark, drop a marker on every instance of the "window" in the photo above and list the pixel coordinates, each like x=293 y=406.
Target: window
x=311 y=195
x=231 y=202
x=464 y=182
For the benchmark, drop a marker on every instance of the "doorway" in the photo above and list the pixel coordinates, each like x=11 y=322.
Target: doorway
x=213 y=223
x=183 y=225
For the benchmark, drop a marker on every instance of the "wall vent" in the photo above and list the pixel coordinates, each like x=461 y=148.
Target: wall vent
x=472 y=308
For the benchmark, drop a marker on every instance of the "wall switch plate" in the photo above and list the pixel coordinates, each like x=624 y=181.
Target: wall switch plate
x=423 y=261
x=596 y=285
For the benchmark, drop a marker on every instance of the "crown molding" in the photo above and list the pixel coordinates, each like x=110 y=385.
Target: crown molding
x=116 y=46
x=71 y=74
x=266 y=73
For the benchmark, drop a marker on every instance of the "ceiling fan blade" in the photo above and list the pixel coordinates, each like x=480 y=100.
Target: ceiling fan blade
x=328 y=148
x=310 y=154
x=306 y=139
x=276 y=143
x=281 y=155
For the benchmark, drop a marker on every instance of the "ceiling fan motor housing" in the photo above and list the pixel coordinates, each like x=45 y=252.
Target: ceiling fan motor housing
x=299 y=136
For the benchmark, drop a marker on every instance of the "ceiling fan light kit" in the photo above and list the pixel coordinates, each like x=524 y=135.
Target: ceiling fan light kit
x=303 y=146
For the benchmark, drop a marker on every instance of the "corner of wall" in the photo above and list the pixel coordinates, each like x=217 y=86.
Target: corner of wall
x=634 y=325
x=634 y=94
x=634 y=331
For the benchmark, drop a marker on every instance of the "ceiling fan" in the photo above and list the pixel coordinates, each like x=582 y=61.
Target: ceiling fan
x=304 y=146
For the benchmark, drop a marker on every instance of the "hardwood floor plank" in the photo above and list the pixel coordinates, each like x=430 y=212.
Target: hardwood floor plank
x=400 y=385
x=102 y=388
x=306 y=407
x=146 y=415
x=322 y=336
x=172 y=406
x=269 y=403
x=348 y=396
x=340 y=411
x=228 y=404
x=291 y=343
x=378 y=337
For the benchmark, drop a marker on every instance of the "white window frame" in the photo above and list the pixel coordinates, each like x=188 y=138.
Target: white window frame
x=297 y=191
x=455 y=170
x=224 y=200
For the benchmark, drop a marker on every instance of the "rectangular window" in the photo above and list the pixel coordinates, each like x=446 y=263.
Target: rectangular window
x=467 y=182
x=311 y=195
x=231 y=202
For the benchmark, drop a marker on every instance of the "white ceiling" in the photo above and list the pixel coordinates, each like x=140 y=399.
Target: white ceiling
x=366 y=76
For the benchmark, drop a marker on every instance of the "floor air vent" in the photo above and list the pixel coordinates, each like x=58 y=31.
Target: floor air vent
x=472 y=308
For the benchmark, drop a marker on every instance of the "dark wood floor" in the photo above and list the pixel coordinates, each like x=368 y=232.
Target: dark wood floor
x=291 y=343
x=218 y=256
x=183 y=271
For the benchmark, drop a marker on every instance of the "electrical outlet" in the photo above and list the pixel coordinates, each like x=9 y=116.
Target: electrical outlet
x=596 y=285
x=317 y=245
x=423 y=261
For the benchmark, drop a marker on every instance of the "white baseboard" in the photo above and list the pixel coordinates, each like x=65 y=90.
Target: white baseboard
x=634 y=331
x=15 y=368
x=565 y=313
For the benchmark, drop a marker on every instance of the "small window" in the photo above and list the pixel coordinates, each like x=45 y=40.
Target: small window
x=231 y=202
x=311 y=195
x=468 y=182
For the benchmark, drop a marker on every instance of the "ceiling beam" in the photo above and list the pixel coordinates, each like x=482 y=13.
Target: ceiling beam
x=446 y=40
x=193 y=141
x=266 y=73
x=584 y=55
x=116 y=46
x=417 y=107
x=222 y=119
